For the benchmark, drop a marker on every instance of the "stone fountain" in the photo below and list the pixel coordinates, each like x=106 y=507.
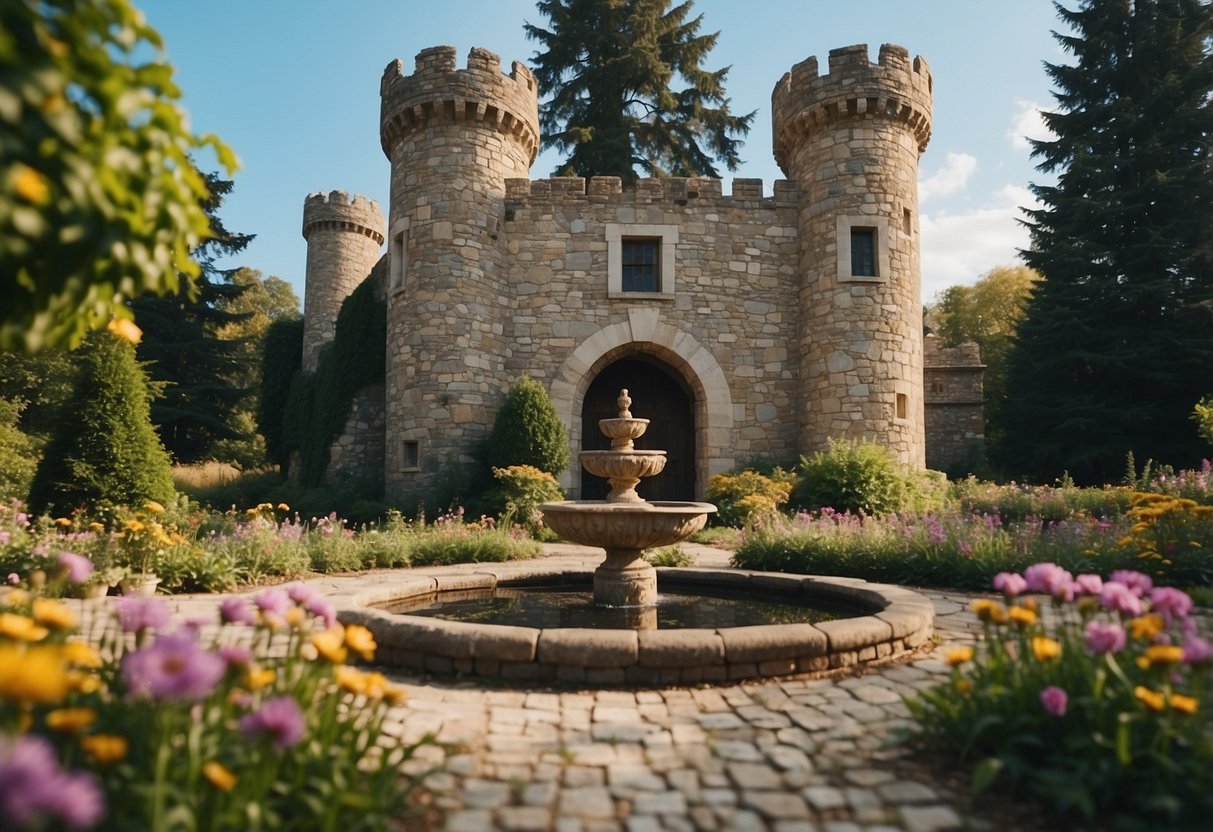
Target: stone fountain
x=625 y=524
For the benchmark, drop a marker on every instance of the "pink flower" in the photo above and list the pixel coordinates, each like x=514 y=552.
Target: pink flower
x=1198 y=650
x=322 y=608
x=76 y=567
x=278 y=720
x=237 y=610
x=1104 y=637
x=35 y=793
x=1088 y=584
x=1136 y=581
x=301 y=593
x=1119 y=598
x=273 y=601
x=1170 y=602
x=1051 y=579
x=1054 y=700
x=174 y=666
x=236 y=655
x=1010 y=583
x=136 y=614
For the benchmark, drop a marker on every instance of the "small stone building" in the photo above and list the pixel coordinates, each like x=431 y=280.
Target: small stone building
x=955 y=405
x=747 y=324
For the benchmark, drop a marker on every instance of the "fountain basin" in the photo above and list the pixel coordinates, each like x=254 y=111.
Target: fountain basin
x=639 y=526
x=894 y=623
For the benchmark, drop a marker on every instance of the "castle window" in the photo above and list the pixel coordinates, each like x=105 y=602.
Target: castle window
x=903 y=406
x=907 y=222
x=641 y=265
x=641 y=261
x=863 y=252
x=398 y=254
x=410 y=457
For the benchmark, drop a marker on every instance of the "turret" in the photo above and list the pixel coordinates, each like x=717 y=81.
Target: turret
x=851 y=140
x=343 y=236
x=452 y=136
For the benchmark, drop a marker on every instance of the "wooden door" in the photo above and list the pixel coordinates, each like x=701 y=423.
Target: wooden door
x=659 y=396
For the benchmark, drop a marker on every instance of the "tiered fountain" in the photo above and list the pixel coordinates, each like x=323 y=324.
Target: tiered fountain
x=625 y=524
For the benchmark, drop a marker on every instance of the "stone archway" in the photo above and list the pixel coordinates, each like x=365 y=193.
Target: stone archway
x=683 y=356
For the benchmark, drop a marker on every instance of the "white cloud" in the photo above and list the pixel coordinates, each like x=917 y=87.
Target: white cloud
x=956 y=170
x=1028 y=124
x=960 y=248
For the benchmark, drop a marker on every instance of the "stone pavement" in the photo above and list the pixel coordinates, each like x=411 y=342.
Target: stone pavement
x=797 y=755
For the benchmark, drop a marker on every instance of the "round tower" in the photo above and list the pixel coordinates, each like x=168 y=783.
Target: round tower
x=851 y=140
x=452 y=136
x=343 y=236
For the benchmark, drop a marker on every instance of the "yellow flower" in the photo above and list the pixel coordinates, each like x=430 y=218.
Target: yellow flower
x=53 y=614
x=1164 y=654
x=63 y=522
x=360 y=640
x=104 y=748
x=958 y=655
x=1186 y=705
x=36 y=675
x=351 y=680
x=1146 y=627
x=1044 y=648
x=154 y=507
x=20 y=628
x=218 y=776
x=296 y=617
x=259 y=677
x=96 y=527
x=331 y=644
x=133 y=526
x=1022 y=616
x=70 y=720
x=125 y=329
x=964 y=686
x=1151 y=699
x=283 y=507
x=1028 y=604
x=15 y=597
x=988 y=610
x=31 y=185
x=82 y=682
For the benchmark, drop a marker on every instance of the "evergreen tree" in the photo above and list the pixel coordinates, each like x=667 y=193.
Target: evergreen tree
x=608 y=67
x=527 y=431
x=104 y=450
x=196 y=374
x=1116 y=346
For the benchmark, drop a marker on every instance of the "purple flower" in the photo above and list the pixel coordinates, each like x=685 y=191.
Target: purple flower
x=1088 y=584
x=136 y=613
x=301 y=593
x=1136 y=581
x=1119 y=598
x=1104 y=637
x=321 y=608
x=1054 y=700
x=1010 y=583
x=278 y=720
x=273 y=601
x=77 y=567
x=1198 y=650
x=1170 y=602
x=35 y=790
x=172 y=667
x=235 y=654
x=237 y=610
x=1051 y=579
x=14 y=578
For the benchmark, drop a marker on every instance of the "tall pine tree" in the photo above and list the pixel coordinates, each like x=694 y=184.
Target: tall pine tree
x=609 y=67
x=1116 y=346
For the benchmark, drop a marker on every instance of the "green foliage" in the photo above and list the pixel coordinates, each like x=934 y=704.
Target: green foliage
x=18 y=458
x=281 y=358
x=41 y=383
x=527 y=431
x=856 y=476
x=607 y=67
x=99 y=197
x=1202 y=415
x=1096 y=732
x=522 y=489
x=747 y=496
x=669 y=556
x=1114 y=348
x=104 y=450
x=1016 y=502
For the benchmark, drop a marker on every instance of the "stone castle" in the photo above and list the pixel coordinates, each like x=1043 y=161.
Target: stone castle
x=745 y=325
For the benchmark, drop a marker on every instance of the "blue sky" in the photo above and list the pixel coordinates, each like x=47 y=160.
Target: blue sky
x=293 y=88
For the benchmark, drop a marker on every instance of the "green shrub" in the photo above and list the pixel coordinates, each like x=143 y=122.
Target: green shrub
x=1016 y=502
x=104 y=449
x=18 y=457
x=669 y=556
x=747 y=496
x=453 y=542
x=281 y=358
x=522 y=489
x=855 y=476
x=527 y=431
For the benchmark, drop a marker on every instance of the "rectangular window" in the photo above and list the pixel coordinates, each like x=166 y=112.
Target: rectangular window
x=907 y=222
x=903 y=406
x=411 y=458
x=863 y=252
x=641 y=265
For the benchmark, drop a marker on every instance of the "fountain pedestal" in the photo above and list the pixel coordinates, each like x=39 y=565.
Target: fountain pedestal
x=625 y=524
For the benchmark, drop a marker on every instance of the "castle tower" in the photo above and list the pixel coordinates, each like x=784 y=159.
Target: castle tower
x=343 y=236
x=851 y=141
x=452 y=136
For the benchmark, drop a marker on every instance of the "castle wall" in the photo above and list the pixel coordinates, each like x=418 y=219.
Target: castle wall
x=357 y=454
x=955 y=406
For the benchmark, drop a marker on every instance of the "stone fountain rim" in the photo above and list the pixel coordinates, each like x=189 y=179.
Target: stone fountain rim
x=901 y=621
x=643 y=507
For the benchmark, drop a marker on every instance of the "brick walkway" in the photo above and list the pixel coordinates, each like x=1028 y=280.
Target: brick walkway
x=788 y=756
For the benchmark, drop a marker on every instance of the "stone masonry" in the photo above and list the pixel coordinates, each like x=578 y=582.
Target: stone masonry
x=758 y=310
x=956 y=423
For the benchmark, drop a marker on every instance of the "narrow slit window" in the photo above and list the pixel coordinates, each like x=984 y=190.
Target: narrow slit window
x=411 y=457
x=907 y=221
x=902 y=406
x=863 y=252
x=641 y=265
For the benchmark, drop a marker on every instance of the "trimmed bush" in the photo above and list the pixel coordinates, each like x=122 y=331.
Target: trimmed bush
x=527 y=431
x=523 y=488
x=748 y=496
x=855 y=476
x=104 y=450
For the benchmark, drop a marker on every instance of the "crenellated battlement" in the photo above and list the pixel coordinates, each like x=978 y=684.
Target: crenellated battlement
x=895 y=88
x=339 y=210
x=439 y=92
x=674 y=190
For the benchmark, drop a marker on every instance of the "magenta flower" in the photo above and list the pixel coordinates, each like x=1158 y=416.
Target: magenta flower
x=14 y=578
x=174 y=666
x=1136 y=581
x=1104 y=637
x=1198 y=650
x=136 y=614
x=301 y=593
x=237 y=610
x=1088 y=584
x=77 y=567
x=273 y=601
x=1054 y=700
x=1010 y=583
x=322 y=608
x=35 y=792
x=1170 y=603
x=1050 y=579
x=235 y=655
x=1120 y=598
x=279 y=720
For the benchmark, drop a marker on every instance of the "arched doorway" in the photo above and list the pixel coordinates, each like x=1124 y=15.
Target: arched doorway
x=658 y=395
